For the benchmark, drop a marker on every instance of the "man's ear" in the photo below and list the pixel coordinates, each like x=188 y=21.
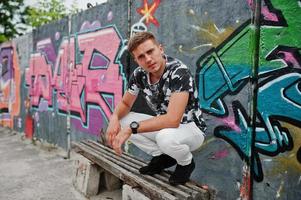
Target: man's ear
x=161 y=48
x=134 y=58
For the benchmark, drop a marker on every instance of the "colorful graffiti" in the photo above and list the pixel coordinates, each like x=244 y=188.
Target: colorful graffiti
x=223 y=73
x=9 y=85
x=147 y=11
x=85 y=77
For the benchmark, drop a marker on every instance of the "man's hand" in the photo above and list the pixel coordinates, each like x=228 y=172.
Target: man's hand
x=121 y=110
x=112 y=130
x=122 y=136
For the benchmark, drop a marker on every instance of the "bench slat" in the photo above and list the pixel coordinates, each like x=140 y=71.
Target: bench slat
x=124 y=154
x=111 y=153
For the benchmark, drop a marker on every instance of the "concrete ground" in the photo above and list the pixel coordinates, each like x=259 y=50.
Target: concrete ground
x=38 y=171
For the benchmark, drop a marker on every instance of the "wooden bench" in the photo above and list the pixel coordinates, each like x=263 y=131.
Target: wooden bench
x=125 y=167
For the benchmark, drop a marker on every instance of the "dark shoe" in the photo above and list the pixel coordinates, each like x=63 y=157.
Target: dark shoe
x=182 y=174
x=157 y=164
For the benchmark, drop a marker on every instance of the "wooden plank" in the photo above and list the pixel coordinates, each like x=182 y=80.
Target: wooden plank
x=124 y=154
x=191 y=184
x=181 y=194
x=152 y=190
x=111 y=153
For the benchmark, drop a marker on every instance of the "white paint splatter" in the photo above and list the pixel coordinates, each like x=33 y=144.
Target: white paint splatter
x=218 y=30
x=110 y=16
x=191 y=12
x=19 y=122
x=279 y=190
x=238 y=184
x=202 y=45
x=196 y=27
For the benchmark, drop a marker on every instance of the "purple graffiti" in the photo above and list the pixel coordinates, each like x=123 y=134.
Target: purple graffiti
x=6 y=63
x=47 y=48
x=88 y=26
x=270 y=15
x=289 y=55
x=110 y=16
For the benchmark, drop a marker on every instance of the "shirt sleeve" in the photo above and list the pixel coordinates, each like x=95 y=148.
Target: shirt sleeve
x=133 y=86
x=181 y=80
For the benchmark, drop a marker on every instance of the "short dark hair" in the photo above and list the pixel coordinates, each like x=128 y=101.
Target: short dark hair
x=139 y=38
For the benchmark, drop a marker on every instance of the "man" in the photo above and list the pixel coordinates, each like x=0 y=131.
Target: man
x=168 y=88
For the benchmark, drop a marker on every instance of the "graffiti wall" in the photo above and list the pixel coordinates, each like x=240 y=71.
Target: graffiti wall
x=277 y=141
x=74 y=71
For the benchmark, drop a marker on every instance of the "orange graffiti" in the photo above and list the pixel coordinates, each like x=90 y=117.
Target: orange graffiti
x=10 y=90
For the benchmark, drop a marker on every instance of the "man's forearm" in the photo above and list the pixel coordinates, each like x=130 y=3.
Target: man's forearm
x=124 y=106
x=157 y=123
x=121 y=110
x=171 y=119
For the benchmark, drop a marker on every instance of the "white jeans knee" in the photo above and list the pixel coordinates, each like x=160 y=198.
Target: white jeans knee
x=175 y=142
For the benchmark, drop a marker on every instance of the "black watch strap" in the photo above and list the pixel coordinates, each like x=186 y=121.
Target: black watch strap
x=134 y=126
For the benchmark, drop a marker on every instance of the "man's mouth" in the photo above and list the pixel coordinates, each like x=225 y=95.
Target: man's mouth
x=152 y=66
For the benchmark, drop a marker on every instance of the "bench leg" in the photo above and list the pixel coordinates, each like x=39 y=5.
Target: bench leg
x=86 y=178
x=130 y=193
x=109 y=181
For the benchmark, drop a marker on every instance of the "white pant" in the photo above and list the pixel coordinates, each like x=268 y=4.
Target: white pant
x=175 y=142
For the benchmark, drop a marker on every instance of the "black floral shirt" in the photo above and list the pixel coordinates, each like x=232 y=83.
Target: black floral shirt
x=176 y=78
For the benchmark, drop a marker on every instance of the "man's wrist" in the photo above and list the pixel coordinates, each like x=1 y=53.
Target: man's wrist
x=114 y=117
x=134 y=127
x=128 y=130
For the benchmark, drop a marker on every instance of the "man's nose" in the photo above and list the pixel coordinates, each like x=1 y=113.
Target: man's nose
x=148 y=58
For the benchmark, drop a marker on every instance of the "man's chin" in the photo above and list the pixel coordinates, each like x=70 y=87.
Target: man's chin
x=154 y=70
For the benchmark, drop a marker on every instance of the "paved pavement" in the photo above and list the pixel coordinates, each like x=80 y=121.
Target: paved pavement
x=37 y=172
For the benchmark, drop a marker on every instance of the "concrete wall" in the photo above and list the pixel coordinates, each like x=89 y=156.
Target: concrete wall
x=79 y=67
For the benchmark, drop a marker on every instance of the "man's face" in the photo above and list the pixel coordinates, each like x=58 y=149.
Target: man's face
x=149 y=55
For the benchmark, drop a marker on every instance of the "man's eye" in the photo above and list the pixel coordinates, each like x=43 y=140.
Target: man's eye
x=150 y=51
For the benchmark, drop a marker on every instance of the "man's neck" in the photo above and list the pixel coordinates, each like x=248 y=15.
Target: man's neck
x=155 y=77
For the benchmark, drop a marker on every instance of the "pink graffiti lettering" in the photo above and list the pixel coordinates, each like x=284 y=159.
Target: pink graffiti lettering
x=82 y=83
x=38 y=77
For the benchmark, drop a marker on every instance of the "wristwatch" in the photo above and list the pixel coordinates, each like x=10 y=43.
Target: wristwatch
x=134 y=126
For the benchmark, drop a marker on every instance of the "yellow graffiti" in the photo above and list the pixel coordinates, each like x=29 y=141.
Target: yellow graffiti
x=212 y=34
x=289 y=160
x=207 y=33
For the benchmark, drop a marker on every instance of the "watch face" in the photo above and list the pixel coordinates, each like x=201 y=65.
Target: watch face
x=134 y=125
